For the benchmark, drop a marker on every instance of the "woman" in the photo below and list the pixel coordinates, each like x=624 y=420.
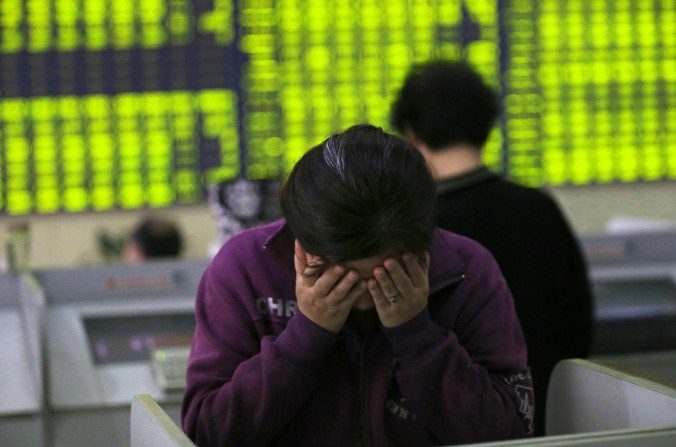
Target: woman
x=354 y=321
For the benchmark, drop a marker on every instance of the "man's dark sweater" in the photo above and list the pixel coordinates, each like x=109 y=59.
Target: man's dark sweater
x=539 y=257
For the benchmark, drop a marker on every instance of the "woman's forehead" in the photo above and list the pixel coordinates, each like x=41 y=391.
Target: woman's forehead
x=365 y=266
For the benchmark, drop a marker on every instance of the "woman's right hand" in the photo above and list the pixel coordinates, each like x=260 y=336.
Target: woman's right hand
x=325 y=295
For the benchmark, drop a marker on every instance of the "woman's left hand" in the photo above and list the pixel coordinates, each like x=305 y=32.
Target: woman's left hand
x=400 y=290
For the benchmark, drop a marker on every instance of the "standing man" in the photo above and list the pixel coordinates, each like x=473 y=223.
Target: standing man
x=447 y=111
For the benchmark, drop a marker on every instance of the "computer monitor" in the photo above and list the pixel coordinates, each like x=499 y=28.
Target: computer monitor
x=103 y=325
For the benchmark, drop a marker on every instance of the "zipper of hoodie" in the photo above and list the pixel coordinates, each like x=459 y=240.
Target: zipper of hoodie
x=362 y=409
x=362 y=415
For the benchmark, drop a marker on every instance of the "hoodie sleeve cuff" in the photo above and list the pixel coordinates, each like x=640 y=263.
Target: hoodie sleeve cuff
x=414 y=337
x=304 y=343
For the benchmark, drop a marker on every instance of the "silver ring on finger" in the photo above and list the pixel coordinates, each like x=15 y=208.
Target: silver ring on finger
x=394 y=298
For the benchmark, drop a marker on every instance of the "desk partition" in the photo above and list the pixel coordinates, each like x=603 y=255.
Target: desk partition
x=649 y=437
x=152 y=427
x=584 y=396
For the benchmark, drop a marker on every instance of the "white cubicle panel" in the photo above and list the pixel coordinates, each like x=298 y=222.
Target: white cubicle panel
x=584 y=396
x=152 y=427
x=17 y=383
x=21 y=309
x=647 y=437
x=21 y=384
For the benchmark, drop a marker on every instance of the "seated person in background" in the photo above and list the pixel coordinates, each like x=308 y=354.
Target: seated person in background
x=153 y=238
x=354 y=321
x=447 y=111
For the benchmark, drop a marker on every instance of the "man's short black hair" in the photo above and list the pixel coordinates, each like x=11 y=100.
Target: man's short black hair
x=445 y=103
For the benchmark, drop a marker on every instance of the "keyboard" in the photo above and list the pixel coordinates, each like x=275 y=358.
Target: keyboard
x=169 y=366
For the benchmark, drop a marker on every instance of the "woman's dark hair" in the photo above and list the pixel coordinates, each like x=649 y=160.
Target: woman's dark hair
x=158 y=238
x=445 y=103
x=360 y=193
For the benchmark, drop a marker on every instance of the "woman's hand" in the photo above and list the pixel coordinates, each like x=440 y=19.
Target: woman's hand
x=325 y=295
x=400 y=290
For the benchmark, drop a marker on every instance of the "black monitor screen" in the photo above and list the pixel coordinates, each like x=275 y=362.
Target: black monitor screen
x=131 y=338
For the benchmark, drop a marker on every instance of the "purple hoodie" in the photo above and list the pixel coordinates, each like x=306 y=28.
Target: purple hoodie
x=261 y=373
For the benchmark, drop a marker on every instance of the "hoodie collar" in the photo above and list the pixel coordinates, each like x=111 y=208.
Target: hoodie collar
x=279 y=245
x=446 y=266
